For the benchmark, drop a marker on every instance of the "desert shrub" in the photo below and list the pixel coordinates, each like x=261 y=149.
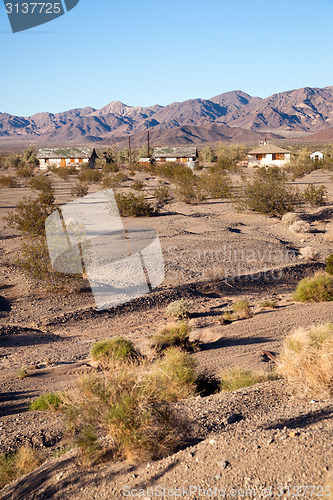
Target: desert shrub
x=90 y=175
x=180 y=309
x=306 y=360
x=110 y=167
x=268 y=193
x=14 y=465
x=173 y=376
x=13 y=160
x=34 y=262
x=318 y=288
x=301 y=165
x=25 y=171
x=30 y=215
x=207 y=155
x=310 y=253
x=315 y=195
x=329 y=264
x=289 y=218
x=242 y=309
x=138 y=185
x=229 y=157
x=22 y=373
x=162 y=194
x=114 y=181
x=126 y=411
x=236 y=378
x=80 y=189
x=268 y=303
x=217 y=185
x=300 y=226
x=131 y=205
x=41 y=183
x=49 y=401
x=114 y=350
x=190 y=193
x=7 y=181
x=172 y=335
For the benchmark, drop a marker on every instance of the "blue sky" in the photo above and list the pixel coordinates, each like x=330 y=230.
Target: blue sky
x=145 y=53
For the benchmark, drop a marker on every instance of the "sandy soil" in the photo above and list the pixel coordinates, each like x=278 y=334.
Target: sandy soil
x=214 y=255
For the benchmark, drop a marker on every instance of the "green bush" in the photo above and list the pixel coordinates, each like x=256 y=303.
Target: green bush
x=90 y=175
x=49 y=401
x=114 y=350
x=329 y=264
x=268 y=193
x=30 y=215
x=162 y=194
x=318 y=288
x=315 y=196
x=131 y=205
x=217 y=184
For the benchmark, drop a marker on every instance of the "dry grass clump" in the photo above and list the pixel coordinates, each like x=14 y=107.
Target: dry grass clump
x=236 y=378
x=307 y=360
x=173 y=377
x=17 y=464
x=127 y=412
x=318 y=288
x=180 y=309
x=310 y=253
x=241 y=309
x=300 y=226
x=22 y=373
x=272 y=304
x=289 y=218
x=329 y=264
x=111 y=351
x=174 y=334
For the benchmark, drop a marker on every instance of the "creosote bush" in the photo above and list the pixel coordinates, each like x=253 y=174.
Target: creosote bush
x=80 y=189
x=315 y=195
x=318 y=288
x=307 y=360
x=268 y=193
x=236 y=378
x=162 y=194
x=131 y=205
x=180 y=309
x=7 y=181
x=30 y=215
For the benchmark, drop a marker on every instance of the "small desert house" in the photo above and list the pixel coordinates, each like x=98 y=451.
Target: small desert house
x=267 y=155
x=317 y=156
x=184 y=155
x=66 y=157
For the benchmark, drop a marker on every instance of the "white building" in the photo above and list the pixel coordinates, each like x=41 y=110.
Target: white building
x=66 y=157
x=317 y=156
x=268 y=155
x=187 y=155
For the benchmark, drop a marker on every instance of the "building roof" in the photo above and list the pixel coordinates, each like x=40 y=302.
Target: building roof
x=64 y=153
x=267 y=149
x=177 y=152
x=317 y=153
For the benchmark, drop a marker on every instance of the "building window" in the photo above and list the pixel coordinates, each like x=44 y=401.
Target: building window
x=261 y=156
x=278 y=156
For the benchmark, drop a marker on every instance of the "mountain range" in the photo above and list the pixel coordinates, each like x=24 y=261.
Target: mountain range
x=231 y=116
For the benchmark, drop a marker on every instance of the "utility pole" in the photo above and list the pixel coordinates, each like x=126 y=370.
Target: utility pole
x=148 y=145
x=129 y=150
